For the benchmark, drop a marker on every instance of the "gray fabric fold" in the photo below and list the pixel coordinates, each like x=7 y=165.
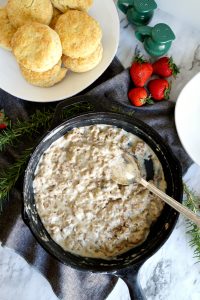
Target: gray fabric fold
x=67 y=283
x=159 y=116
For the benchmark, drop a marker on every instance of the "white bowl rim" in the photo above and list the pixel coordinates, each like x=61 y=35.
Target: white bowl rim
x=52 y=96
x=177 y=113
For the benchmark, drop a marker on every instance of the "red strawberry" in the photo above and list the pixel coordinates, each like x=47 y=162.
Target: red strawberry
x=3 y=120
x=165 y=67
x=3 y=126
x=159 y=89
x=140 y=71
x=138 y=96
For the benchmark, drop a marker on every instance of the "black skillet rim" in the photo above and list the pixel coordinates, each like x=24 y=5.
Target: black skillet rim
x=99 y=267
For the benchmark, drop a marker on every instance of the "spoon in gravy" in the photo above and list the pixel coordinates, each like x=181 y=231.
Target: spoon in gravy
x=125 y=171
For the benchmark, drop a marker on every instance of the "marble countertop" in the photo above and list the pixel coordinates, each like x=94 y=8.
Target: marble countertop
x=172 y=273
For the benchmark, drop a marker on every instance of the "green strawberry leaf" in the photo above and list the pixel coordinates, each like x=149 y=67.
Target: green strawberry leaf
x=150 y=101
x=140 y=59
x=167 y=92
x=173 y=67
x=3 y=118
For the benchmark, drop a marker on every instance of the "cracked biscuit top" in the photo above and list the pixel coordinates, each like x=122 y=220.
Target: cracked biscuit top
x=63 y=5
x=21 y=12
x=79 y=33
x=36 y=47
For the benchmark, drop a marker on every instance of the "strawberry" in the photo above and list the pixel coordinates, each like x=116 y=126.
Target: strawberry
x=140 y=71
x=3 y=120
x=165 y=67
x=159 y=89
x=138 y=96
x=3 y=126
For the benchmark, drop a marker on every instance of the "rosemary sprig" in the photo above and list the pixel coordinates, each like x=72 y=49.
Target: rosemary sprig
x=40 y=119
x=9 y=177
x=77 y=109
x=193 y=202
x=37 y=120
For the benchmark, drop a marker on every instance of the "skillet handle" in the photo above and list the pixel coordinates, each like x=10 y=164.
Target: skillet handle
x=59 y=114
x=130 y=277
x=96 y=104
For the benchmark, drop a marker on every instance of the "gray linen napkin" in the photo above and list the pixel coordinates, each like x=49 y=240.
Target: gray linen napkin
x=68 y=283
x=159 y=116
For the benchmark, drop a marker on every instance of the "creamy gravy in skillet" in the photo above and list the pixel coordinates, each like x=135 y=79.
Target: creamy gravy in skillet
x=83 y=210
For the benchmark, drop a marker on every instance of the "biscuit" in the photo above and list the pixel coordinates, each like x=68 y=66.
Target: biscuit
x=37 y=47
x=6 y=30
x=44 y=79
x=63 y=5
x=79 y=33
x=80 y=65
x=21 y=12
x=56 y=15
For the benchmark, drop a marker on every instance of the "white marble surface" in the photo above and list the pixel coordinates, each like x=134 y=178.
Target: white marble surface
x=188 y=11
x=20 y=281
x=171 y=273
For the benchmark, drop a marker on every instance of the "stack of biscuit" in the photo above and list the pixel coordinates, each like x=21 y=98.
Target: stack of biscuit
x=49 y=37
x=80 y=37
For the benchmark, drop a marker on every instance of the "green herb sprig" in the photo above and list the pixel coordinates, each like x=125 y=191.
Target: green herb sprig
x=13 y=135
x=40 y=119
x=9 y=177
x=193 y=203
x=37 y=120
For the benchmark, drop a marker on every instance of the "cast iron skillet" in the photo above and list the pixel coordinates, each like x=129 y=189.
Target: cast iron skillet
x=127 y=265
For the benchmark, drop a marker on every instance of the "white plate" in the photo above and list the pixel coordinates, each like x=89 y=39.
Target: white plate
x=187 y=118
x=12 y=81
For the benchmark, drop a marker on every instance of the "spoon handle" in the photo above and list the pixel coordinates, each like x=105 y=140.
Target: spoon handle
x=172 y=202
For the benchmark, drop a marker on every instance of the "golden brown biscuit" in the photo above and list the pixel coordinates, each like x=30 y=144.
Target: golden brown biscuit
x=79 y=33
x=37 y=47
x=63 y=5
x=21 y=12
x=6 y=30
x=80 y=65
x=56 y=15
x=45 y=79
